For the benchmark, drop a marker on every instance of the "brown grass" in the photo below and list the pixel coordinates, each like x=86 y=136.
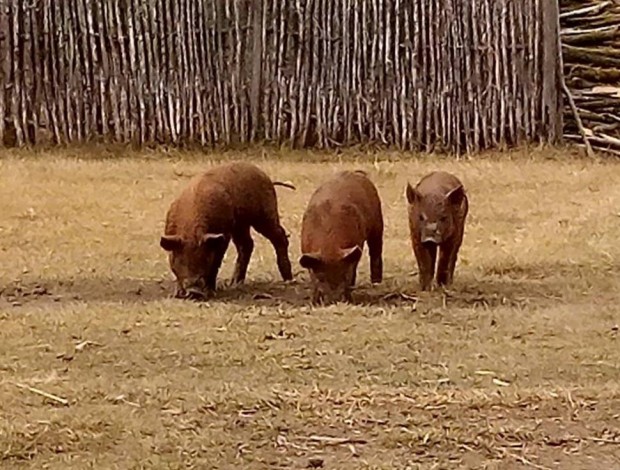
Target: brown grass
x=518 y=366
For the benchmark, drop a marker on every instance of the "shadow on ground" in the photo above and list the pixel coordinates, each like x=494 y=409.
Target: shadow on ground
x=520 y=286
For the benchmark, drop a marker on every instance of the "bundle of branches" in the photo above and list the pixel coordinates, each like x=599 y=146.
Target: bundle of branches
x=590 y=32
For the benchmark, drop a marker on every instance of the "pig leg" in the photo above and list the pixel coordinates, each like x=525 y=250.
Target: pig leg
x=349 y=289
x=452 y=263
x=446 y=254
x=218 y=257
x=244 y=245
x=447 y=261
x=347 y=295
x=375 y=252
x=458 y=241
x=316 y=296
x=425 y=256
x=455 y=244
x=277 y=237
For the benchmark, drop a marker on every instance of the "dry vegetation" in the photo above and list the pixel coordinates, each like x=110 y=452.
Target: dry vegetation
x=516 y=367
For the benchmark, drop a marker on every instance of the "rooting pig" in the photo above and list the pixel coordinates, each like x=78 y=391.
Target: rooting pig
x=342 y=214
x=218 y=206
x=438 y=207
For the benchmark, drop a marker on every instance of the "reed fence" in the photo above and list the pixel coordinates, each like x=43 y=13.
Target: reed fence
x=443 y=75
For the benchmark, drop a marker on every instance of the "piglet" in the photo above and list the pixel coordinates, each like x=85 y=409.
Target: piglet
x=437 y=209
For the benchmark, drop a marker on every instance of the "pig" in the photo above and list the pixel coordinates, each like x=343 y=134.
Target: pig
x=437 y=208
x=342 y=214
x=218 y=206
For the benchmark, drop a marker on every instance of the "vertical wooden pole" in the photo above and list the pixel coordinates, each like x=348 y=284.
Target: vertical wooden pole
x=551 y=73
x=257 y=55
x=4 y=66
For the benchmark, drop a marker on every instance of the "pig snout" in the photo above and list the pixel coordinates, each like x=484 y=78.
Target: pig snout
x=323 y=298
x=326 y=295
x=192 y=290
x=431 y=233
x=180 y=293
x=195 y=294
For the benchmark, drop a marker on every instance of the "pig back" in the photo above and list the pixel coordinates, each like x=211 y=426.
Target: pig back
x=249 y=189
x=202 y=206
x=345 y=209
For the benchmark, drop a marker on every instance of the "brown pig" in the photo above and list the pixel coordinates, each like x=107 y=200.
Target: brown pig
x=342 y=214
x=438 y=207
x=215 y=207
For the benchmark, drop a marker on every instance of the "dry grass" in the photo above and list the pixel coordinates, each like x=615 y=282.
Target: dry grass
x=517 y=367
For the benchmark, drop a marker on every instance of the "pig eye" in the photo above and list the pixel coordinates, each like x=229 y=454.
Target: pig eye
x=443 y=218
x=422 y=217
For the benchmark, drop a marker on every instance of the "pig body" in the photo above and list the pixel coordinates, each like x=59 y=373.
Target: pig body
x=342 y=214
x=438 y=207
x=216 y=207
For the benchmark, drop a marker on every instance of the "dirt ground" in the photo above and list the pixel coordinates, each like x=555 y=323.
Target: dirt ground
x=516 y=366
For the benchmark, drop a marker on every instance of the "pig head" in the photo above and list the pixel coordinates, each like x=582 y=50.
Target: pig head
x=433 y=217
x=195 y=262
x=332 y=273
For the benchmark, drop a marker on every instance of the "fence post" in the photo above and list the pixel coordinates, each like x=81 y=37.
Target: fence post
x=4 y=64
x=551 y=87
x=257 y=54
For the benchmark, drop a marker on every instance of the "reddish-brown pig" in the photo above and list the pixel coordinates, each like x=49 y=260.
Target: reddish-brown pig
x=342 y=214
x=216 y=207
x=438 y=208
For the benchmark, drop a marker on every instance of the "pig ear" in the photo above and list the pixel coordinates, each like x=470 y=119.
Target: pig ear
x=211 y=240
x=351 y=255
x=310 y=261
x=412 y=194
x=456 y=195
x=171 y=242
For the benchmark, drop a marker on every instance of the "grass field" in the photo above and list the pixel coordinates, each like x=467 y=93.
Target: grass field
x=516 y=366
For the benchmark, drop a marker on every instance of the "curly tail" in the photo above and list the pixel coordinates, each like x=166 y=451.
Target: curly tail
x=286 y=185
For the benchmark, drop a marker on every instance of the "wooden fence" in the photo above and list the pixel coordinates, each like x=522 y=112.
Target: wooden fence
x=454 y=75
